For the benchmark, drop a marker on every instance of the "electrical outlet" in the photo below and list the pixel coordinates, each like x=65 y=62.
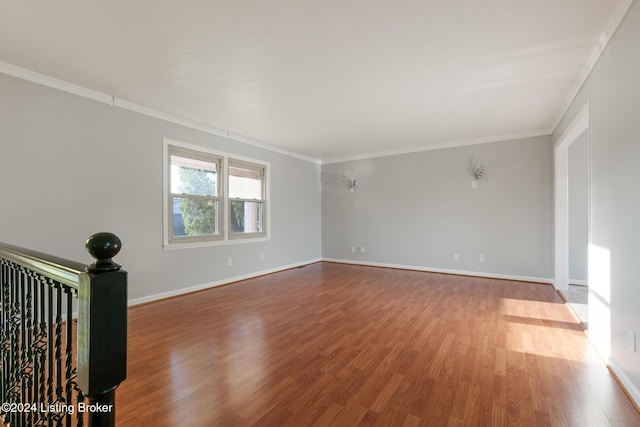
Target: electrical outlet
x=353 y=249
x=261 y=256
x=361 y=249
x=230 y=262
x=632 y=341
x=456 y=256
x=481 y=258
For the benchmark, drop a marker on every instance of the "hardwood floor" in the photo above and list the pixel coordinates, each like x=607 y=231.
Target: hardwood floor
x=342 y=345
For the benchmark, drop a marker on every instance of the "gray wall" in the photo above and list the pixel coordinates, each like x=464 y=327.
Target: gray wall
x=613 y=94
x=70 y=166
x=419 y=209
x=578 y=208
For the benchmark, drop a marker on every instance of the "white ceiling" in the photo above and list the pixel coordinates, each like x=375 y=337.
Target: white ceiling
x=327 y=79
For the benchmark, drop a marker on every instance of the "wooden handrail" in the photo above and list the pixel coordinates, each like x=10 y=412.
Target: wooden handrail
x=61 y=270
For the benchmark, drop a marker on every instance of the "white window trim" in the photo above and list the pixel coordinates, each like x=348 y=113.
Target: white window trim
x=249 y=164
x=224 y=200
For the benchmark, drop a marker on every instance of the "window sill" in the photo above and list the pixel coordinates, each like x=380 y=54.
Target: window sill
x=177 y=246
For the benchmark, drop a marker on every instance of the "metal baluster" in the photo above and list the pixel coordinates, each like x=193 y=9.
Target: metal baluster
x=58 y=345
x=50 y=349
x=36 y=346
x=69 y=370
x=20 y=380
x=14 y=322
x=4 y=333
x=28 y=346
x=42 y=351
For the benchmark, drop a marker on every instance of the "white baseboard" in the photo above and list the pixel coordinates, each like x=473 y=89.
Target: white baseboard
x=630 y=387
x=182 y=291
x=579 y=282
x=446 y=271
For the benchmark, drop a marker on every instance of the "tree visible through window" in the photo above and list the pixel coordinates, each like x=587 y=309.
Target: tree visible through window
x=199 y=215
x=195 y=194
x=207 y=190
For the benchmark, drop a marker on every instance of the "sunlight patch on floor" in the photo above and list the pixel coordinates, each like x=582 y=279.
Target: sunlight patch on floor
x=577 y=297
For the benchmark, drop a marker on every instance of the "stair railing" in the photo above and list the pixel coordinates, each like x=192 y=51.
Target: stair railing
x=56 y=370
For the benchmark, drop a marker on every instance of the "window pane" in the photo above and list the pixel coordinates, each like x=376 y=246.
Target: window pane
x=246 y=217
x=245 y=183
x=194 y=217
x=194 y=177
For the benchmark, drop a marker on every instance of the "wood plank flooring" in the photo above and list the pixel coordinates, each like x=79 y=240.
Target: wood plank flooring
x=342 y=345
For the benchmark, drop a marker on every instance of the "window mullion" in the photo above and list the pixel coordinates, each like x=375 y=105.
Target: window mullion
x=226 y=221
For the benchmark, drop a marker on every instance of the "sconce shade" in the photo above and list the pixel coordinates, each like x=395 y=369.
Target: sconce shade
x=351 y=181
x=476 y=168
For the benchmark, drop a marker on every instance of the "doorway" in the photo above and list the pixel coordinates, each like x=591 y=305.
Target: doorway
x=572 y=215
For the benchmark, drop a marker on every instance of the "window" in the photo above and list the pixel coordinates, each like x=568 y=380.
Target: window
x=194 y=180
x=246 y=199
x=212 y=198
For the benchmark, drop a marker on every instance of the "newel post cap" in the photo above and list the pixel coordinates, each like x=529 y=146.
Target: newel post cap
x=103 y=246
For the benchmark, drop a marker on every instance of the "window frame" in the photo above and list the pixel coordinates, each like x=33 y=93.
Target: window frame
x=262 y=170
x=224 y=235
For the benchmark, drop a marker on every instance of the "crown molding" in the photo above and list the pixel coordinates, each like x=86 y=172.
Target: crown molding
x=150 y=112
x=259 y=144
x=605 y=38
x=41 y=79
x=451 y=144
x=51 y=82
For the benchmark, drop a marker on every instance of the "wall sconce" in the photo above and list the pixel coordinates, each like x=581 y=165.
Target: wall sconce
x=351 y=182
x=476 y=169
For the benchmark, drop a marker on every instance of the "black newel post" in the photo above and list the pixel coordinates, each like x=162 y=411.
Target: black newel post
x=102 y=329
